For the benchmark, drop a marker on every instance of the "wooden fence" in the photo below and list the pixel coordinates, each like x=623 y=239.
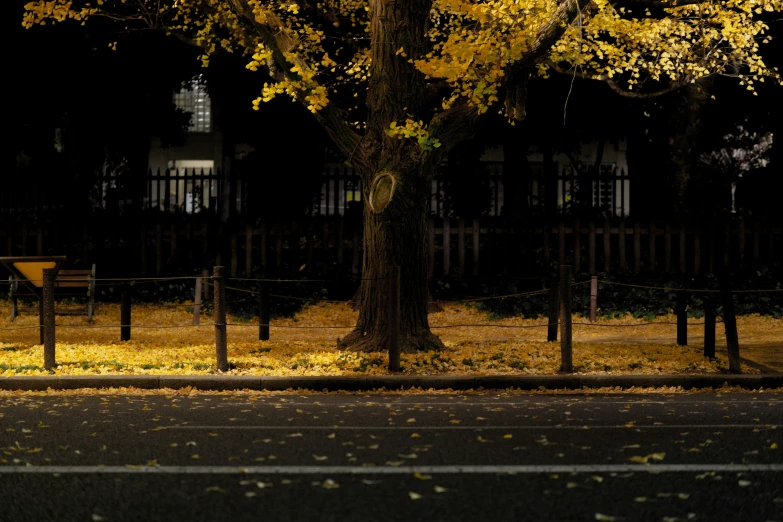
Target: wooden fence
x=332 y=245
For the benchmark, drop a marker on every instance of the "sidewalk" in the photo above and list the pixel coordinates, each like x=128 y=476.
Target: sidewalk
x=437 y=382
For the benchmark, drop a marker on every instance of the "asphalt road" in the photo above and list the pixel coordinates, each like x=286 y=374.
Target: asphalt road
x=701 y=457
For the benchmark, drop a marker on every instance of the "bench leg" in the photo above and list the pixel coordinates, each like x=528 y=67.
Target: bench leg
x=14 y=308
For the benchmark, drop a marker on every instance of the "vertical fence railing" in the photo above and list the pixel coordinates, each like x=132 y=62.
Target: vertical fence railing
x=486 y=247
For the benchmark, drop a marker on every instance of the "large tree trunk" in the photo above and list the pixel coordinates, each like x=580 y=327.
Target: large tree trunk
x=396 y=236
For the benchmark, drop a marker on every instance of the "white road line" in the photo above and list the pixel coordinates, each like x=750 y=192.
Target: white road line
x=417 y=428
x=392 y=470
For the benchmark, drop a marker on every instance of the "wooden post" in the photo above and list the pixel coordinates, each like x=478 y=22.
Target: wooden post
x=40 y=321
x=279 y=230
x=682 y=318
x=248 y=250
x=446 y=246
x=565 y=319
x=476 y=236
x=756 y=242
x=651 y=246
x=221 y=348
x=173 y=245
x=607 y=246
x=430 y=248
x=49 y=275
x=730 y=325
x=577 y=237
x=637 y=248
x=461 y=248
x=158 y=248
x=340 y=244
x=394 y=318
x=197 y=301
x=205 y=277
x=621 y=245
x=741 y=241
x=770 y=245
x=561 y=254
x=234 y=253
x=709 y=328
x=547 y=228
x=143 y=250
x=91 y=294
x=12 y=286
x=554 y=310
x=726 y=243
x=263 y=312
x=593 y=298
x=591 y=247
x=125 y=314
x=683 y=249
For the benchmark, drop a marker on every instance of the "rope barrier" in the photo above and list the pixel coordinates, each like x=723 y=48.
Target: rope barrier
x=488 y=325
x=75 y=326
x=639 y=324
x=522 y=294
x=255 y=325
x=283 y=296
x=37 y=327
x=699 y=290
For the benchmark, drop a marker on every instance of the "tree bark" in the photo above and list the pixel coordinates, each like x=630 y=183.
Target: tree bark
x=396 y=236
x=395 y=233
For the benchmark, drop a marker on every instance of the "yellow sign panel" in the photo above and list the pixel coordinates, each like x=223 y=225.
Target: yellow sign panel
x=33 y=270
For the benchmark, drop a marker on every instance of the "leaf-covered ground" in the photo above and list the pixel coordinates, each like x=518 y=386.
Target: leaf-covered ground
x=185 y=349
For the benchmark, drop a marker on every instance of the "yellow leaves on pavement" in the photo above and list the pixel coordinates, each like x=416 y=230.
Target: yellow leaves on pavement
x=329 y=484
x=414 y=496
x=647 y=458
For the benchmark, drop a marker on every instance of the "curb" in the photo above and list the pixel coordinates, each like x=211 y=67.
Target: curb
x=390 y=382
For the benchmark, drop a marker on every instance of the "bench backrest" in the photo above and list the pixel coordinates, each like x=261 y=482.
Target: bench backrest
x=73 y=279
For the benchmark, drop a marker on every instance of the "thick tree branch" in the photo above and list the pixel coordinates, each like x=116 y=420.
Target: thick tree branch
x=548 y=34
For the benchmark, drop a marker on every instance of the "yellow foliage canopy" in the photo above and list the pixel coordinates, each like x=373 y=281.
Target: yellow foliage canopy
x=313 y=50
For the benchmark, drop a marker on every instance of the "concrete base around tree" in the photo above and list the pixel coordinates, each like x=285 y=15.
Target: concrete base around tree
x=391 y=382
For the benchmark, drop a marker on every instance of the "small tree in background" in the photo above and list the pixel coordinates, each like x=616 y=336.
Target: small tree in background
x=744 y=152
x=398 y=83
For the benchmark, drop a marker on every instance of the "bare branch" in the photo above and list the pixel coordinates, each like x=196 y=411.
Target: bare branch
x=619 y=90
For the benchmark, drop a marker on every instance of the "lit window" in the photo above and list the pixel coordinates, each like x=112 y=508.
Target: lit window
x=193 y=98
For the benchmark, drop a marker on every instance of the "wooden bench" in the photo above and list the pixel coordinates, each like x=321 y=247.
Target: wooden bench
x=68 y=283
